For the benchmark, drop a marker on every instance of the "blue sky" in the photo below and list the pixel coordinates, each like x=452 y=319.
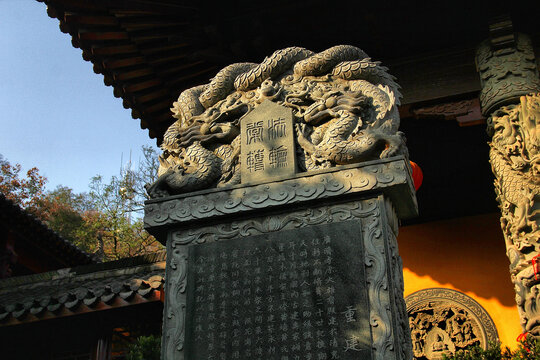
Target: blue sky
x=55 y=112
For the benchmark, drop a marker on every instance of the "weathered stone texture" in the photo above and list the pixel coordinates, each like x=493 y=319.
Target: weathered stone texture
x=509 y=75
x=301 y=149
x=336 y=107
x=390 y=337
x=443 y=321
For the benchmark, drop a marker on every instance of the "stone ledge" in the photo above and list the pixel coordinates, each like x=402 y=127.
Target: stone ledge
x=391 y=176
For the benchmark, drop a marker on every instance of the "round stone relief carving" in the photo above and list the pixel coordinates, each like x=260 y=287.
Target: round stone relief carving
x=443 y=321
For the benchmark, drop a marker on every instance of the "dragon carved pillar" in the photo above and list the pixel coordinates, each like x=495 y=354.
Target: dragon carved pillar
x=510 y=98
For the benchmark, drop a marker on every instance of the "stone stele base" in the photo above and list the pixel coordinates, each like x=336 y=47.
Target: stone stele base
x=305 y=267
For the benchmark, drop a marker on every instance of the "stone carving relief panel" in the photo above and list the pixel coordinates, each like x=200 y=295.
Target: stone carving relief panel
x=443 y=321
x=340 y=106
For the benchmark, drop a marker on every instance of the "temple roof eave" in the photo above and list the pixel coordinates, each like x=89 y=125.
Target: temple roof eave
x=83 y=289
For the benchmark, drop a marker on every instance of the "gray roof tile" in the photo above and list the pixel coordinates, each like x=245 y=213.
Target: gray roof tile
x=29 y=298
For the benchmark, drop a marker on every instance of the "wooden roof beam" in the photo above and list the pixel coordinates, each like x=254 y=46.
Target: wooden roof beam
x=163 y=121
x=152 y=19
x=114 y=50
x=164 y=105
x=76 y=19
x=141 y=85
x=102 y=36
x=141 y=99
x=73 y=5
x=134 y=74
x=152 y=134
x=192 y=75
x=155 y=7
x=129 y=6
x=153 y=48
x=162 y=60
x=177 y=88
x=147 y=38
x=170 y=71
x=160 y=32
x=124 y=13
x=177 y=53
x=145 y=25
x=121 y=63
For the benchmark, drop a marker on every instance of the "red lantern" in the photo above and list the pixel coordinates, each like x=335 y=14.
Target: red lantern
x=417 y=175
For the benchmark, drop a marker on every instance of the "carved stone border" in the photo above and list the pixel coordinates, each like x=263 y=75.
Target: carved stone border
x=487 y=326
x=400 y=318
x=392 y=177
x=507 y=71
x=381 y=262
x=174 y=310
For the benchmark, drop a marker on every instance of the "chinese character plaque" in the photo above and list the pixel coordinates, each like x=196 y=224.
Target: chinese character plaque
x=267 y=143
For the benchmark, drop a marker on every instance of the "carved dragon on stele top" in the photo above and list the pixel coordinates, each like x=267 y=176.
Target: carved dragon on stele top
x=344 y=109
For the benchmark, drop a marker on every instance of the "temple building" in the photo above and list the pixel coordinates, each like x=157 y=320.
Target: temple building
x=74 y=307
x=464 y=70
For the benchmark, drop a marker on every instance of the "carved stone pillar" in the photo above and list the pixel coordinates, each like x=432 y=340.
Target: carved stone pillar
x=510 y=98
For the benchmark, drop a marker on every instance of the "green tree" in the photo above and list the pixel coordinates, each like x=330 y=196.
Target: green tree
x=71 y=215
x=106 y=221
x=119 y=204
x=528 y=349
x=145 y=348
x=26 y=191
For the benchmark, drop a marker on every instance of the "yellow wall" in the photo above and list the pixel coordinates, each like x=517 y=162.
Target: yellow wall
x=468 y=255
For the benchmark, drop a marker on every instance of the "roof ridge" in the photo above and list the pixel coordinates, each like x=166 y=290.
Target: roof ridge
x=17 y=210
x=145 y=259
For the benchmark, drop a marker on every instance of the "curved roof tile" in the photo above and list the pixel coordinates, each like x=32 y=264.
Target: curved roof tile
x=37 y=232
x=70 y=291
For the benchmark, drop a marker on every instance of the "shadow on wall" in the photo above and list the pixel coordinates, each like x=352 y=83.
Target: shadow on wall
x=468 y=253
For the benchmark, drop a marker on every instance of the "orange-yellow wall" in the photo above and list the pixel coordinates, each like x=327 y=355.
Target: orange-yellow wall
x=468 y=255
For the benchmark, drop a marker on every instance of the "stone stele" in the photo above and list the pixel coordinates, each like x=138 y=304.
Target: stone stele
x=291 y=255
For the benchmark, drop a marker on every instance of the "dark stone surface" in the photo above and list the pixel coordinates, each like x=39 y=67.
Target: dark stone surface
x=296 y=294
